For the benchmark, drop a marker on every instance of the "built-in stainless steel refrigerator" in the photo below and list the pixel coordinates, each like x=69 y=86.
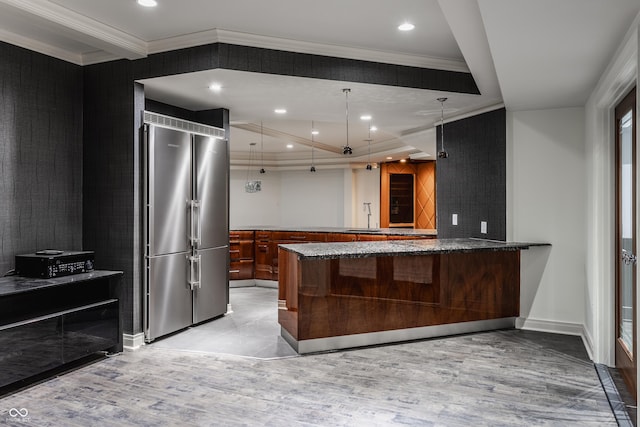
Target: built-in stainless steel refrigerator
x=186 y=228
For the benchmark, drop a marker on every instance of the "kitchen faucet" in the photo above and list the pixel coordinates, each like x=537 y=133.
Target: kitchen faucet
x=367 y=207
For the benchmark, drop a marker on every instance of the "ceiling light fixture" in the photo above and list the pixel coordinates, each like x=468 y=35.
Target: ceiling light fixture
x=261 y=149
x=252 y=185
x=280 y=111
x=215 y=87
x=442 y=154
x=406 y=26
x=148 y=3
x=289 y=145
x=365 y=117
x=313 y=133
x=346 y=149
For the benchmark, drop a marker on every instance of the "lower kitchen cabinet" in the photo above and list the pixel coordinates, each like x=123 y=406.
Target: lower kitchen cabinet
x=241 y=255
x=47 y=323
x=254 y=254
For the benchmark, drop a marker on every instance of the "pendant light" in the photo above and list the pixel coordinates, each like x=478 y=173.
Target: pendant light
x=252 y=186
x=442 y=154
x=369 y=167
x=346 y=149
x=313 y=133
x=261 y=149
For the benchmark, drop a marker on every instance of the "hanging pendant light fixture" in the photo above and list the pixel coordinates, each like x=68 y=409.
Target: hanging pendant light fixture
x=261 y=150
x=369 y=167
x=252 y=185
x=442 y=154
x=346 y=149
x=313 y=133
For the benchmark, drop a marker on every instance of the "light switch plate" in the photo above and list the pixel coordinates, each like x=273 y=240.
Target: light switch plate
x=454 y=219
x=483 y=227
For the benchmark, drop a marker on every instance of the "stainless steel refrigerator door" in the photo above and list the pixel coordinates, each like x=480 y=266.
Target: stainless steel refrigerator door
x=211 y=190
x=169 y=190
x=210 y=299
x=170 y=296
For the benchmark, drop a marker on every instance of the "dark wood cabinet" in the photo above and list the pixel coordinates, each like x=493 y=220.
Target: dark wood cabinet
x=254 y=254
x=241 y=255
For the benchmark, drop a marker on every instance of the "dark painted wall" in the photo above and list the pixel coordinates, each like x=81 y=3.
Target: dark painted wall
x=40 y=154
x=471 y=182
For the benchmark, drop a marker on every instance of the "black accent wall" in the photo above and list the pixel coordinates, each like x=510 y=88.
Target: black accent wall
x=40 y=154
x=471 y=182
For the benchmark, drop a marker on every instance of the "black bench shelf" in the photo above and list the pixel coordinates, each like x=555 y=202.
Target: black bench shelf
x=47 y=323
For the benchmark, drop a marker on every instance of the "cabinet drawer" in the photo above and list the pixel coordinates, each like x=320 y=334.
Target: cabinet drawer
x=341 y=237
x=241 y=270
x=241 y=250
x=289 y=236
x=262 y=235
x=236 y=236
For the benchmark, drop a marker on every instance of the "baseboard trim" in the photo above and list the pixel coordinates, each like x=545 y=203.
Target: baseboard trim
x=132 y=342
x=247 y=283
x=397 y=335
x=563 y=328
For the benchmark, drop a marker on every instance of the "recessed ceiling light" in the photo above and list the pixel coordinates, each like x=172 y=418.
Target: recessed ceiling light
x=403 y=161
x=148 y=3
x=289 y=145
x=314 y=132
x=389 y=158
x=407 y=26
x=374 y=128
x=215 y=87
x=365 y=117
x=280 y=111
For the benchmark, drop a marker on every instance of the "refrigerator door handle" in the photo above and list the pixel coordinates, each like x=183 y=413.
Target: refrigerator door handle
x=195 y=272
x=196 y=204
x=196 y=225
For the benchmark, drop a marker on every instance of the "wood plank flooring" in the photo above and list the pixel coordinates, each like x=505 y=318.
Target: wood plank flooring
x=500 y=378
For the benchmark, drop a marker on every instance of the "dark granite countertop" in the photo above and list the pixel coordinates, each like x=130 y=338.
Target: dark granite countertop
x=17 y=284
x=401 y=247
x=381 y=231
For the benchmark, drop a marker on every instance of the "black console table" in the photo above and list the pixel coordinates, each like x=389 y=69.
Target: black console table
x=47 y=323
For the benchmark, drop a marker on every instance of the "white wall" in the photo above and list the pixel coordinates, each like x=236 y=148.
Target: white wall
x=546 y=197
x=261 y=208
x=619 y=77
x=291 y=198
x=367 y=189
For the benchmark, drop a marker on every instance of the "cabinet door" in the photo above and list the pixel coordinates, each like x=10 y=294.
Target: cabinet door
x=30 y=349
x=89 y=330
x=263 y=261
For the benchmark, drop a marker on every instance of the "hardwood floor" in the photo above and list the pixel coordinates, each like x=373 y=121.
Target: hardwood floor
x=500 y=378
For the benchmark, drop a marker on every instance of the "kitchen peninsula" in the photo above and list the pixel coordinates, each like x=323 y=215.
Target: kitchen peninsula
x=340 y=295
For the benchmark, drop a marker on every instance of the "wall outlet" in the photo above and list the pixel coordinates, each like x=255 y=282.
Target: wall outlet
x=454 y=219
x=483 y=227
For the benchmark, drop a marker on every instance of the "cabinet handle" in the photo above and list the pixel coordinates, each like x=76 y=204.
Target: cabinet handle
x=263 y=248
x=234 y=271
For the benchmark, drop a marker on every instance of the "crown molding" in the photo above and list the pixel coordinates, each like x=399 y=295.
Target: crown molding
x=253 y=40
x=92 y=32
x=43 y=48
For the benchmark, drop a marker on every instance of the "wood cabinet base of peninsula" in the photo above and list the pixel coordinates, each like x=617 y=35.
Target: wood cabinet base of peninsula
x=327 y=304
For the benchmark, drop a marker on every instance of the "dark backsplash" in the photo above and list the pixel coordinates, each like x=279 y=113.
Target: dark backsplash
x=40 y=154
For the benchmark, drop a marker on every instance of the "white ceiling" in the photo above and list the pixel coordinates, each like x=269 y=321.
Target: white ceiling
x=529 y=54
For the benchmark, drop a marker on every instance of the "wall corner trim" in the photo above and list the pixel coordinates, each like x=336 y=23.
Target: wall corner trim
x=132 y=342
